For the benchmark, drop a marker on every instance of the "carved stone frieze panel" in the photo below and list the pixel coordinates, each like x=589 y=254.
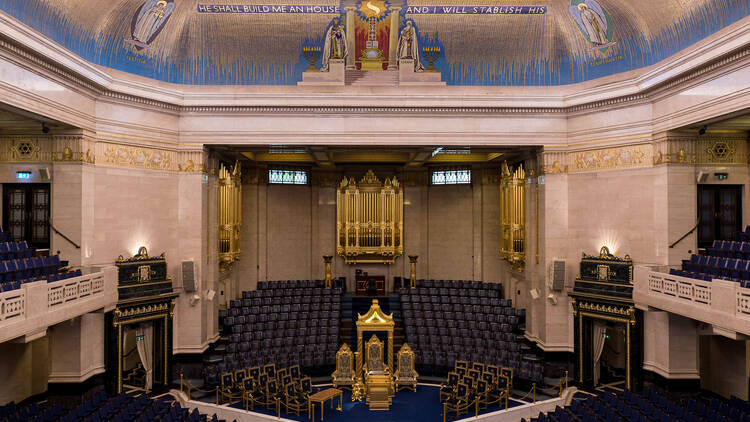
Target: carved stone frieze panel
x=553 y=162
x=137 y=157
x=612 y=158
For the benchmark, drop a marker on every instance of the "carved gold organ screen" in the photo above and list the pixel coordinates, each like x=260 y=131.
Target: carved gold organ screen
x=369 y=219
x=513 y=215
x=230 y=214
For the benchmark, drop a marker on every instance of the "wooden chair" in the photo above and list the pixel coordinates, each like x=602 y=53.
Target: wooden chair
x=292 y=402
x=271 y=394
x=448 y=388
x=295 y=372
x=459 y=402
x=251 y=393
x=508 y=373
x=270 y=370
x=304 y=388
x=229 y=390
x=254 y=373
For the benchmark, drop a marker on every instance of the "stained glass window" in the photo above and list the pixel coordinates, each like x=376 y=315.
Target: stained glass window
x=287 y=177
x=451 y=177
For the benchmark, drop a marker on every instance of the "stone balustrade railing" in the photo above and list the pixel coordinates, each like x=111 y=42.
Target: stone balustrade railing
x=28 y=311
x=723 y=304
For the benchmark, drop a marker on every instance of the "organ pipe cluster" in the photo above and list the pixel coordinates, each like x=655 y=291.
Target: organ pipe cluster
x=230 y=214
x=369 y=219
x=513 y=215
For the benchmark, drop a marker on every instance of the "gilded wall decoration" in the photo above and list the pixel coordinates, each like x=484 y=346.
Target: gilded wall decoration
x=612 y=158
x=192 y=161
x=553 y=162
x=135 y=157
x=27 y=150
x=716 y=150
x=703 y=150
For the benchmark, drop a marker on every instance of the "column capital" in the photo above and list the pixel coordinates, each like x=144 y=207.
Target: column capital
x=350 y=8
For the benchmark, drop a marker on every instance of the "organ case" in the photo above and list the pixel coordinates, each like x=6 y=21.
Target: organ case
x=369 y=219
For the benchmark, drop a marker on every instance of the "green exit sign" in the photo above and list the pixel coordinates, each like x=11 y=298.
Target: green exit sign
x=722 y=176
x=138 y=338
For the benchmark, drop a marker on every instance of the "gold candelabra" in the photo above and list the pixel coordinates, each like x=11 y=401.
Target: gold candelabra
x=431 y=54
x=311 y=54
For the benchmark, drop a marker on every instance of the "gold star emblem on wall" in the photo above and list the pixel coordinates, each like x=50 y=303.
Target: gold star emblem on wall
x=373 y=8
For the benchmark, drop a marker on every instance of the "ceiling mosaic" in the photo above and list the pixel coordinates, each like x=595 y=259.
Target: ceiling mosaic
x=481 y=42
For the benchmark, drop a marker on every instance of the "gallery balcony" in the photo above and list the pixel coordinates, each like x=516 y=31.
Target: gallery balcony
x=723 y=304
x=27 y=311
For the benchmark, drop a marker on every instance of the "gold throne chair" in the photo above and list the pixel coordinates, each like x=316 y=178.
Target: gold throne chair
x=379 y=387
x=406 y=376
x=344 y=375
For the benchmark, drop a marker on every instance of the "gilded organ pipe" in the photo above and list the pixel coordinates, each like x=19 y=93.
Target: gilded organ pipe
x=513 y=215
x=367 y=214
x=230 y=214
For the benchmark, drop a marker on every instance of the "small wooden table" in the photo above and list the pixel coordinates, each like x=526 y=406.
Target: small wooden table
x=321 y=397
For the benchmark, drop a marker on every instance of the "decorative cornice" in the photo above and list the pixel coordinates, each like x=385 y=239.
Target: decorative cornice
x=40 y=61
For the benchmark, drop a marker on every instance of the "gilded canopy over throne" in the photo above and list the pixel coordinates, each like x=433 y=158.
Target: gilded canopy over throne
x=344 y=375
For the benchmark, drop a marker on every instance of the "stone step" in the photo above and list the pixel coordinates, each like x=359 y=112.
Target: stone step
x=368 y=77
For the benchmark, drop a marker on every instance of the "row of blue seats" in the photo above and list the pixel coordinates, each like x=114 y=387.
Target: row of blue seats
x=51 y=278
x=16 y=250
x=101 y=407
x=690 y=274
x=704 y=267
x=19 y=269
x=647 y=407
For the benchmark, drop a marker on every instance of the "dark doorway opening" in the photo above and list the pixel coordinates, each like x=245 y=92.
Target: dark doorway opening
x=26 y=213
x=719 y=213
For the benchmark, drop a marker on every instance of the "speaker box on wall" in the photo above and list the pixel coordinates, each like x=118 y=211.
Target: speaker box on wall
x=188 y=276
x=558 y=275
x=44 y=173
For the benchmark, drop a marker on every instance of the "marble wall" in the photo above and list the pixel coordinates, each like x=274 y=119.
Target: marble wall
x=287 y=229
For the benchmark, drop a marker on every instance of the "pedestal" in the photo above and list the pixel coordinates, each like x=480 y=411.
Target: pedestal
x=335 y=75
x=413 y=270
x=407 y=75
x=328 y=279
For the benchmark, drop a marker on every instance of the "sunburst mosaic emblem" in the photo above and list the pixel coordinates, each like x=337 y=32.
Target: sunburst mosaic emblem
x=373 y=8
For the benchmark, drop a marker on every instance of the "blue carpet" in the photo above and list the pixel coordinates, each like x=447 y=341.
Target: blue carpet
x=408 y=406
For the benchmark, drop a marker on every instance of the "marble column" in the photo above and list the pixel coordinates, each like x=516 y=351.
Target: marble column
x=350 y=37
x=393 y=39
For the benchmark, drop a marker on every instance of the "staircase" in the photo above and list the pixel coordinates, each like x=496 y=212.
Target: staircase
x=371 y=78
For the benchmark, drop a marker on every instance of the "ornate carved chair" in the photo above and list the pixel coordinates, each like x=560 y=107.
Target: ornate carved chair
x=379 y=384
x=374 y=364
x=344 y=375
x=406 y=376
